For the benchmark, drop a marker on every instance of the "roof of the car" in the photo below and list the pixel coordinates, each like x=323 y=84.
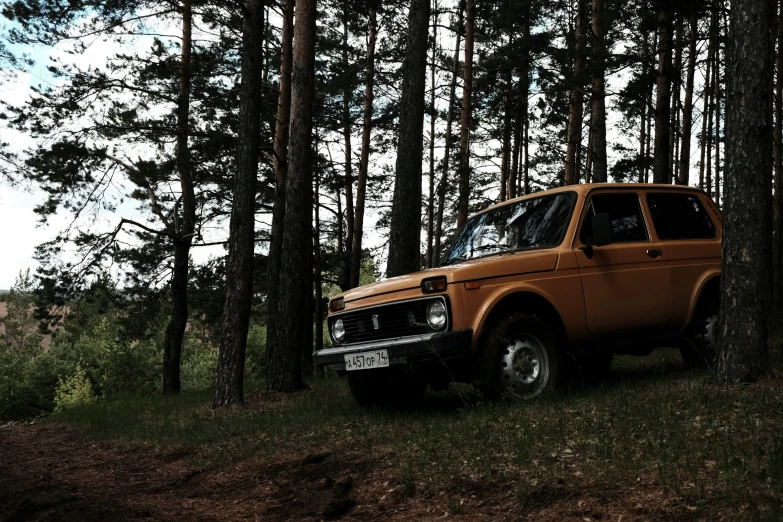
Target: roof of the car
x=583 y=189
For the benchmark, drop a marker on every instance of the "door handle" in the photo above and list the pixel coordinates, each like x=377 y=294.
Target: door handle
x=654 y=252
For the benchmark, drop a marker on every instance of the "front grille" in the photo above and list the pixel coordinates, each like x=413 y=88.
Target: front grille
x=387 y=321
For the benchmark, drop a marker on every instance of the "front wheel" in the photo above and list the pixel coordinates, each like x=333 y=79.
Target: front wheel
x=388 y=386
x=519 y=358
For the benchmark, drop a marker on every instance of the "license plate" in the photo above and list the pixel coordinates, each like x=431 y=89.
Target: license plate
x=367 y=360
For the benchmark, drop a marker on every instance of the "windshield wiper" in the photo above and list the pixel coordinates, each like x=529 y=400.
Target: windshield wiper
x=453 y=260
x=501 y=249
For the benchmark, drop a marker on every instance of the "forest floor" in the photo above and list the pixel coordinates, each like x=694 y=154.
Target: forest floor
x=651 y=443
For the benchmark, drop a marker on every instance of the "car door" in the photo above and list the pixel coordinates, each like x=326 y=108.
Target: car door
x=684 y=226
x=627 y=284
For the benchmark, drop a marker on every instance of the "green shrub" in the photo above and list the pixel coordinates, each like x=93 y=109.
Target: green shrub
x=73 y=391
x=199 y=361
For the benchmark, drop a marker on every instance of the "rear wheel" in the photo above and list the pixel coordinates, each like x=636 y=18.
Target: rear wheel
x=519 y=359
x=703 y=331
x=388 y=386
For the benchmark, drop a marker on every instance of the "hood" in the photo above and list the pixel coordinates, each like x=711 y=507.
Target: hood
x=493 y=266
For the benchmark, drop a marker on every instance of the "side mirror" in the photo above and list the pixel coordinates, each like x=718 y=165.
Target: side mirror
x=602 y=230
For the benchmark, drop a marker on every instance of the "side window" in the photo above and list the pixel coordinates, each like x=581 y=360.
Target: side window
x=625 y=214
x=679 y=216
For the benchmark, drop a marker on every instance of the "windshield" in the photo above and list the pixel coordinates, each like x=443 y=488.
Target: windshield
x=526 y=225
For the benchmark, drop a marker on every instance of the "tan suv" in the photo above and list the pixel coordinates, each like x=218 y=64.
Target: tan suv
x=537 y=287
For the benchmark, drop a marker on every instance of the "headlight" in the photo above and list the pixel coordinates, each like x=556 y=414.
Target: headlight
x=436 y=315
x=338 y=330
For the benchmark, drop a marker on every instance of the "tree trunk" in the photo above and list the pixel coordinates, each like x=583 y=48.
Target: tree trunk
x=319 y=300
x=465 y=118
x=239 y=270
x=506 y=145
x=431 y=192
x=663 y=97
x=589 y=160
x=515 y=148
x=716 y=195
x=706 y=111
x=598 y=103
x=526 y=179
x=309 y=301
x=283 y=371
x=576 y=101
x=713 y=87
x=361 y=187
x=675 y=102
x=777 y=247
x=349 y=215
x=404 y=252
x=643 y=124
x=687 y=110
x=746 y=277
x=175 y=331
x=283 y=121
x=444 y=179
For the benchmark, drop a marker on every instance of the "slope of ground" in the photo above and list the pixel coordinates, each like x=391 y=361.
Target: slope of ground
x=653 y=444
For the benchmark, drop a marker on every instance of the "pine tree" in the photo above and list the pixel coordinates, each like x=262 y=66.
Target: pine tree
x=745 y=281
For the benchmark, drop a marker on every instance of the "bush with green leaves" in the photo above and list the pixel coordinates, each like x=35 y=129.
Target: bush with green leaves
x=75 y=390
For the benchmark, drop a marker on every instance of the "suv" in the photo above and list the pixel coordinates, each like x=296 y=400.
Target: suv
x=535 y=288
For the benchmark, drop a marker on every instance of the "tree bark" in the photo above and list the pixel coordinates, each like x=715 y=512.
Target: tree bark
x=361 y=186
x=598 y=103
x=746 y=277
x=444 y=179
x=239 y=270
x=777 y=247
x=404 y=251
x=663 y=97
x=284 y=371
x=175 y=331
x=283 y=121
x=465 y=119
x=576 y=101
x=349 y=214
x=687 y=109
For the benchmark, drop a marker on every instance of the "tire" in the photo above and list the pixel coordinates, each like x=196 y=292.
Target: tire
x=388 y=386
x=702 y=337
x=519 y=359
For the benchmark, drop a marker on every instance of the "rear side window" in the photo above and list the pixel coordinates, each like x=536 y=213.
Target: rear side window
x=679 y=216
x=625 y=213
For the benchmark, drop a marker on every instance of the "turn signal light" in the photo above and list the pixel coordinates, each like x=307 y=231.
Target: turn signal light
x=472 y=285
x=436 y=284
x=335 y=305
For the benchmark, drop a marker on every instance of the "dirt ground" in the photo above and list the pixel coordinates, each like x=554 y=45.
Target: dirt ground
x=48 y=472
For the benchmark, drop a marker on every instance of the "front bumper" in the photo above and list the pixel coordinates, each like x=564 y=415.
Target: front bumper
x=445 y=345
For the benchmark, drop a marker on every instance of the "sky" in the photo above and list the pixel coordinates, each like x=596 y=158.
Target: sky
x=20 y=231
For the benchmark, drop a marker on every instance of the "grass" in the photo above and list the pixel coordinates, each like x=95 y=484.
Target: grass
x=707 y=447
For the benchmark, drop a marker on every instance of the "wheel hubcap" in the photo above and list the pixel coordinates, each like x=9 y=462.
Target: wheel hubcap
x=524 y=367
